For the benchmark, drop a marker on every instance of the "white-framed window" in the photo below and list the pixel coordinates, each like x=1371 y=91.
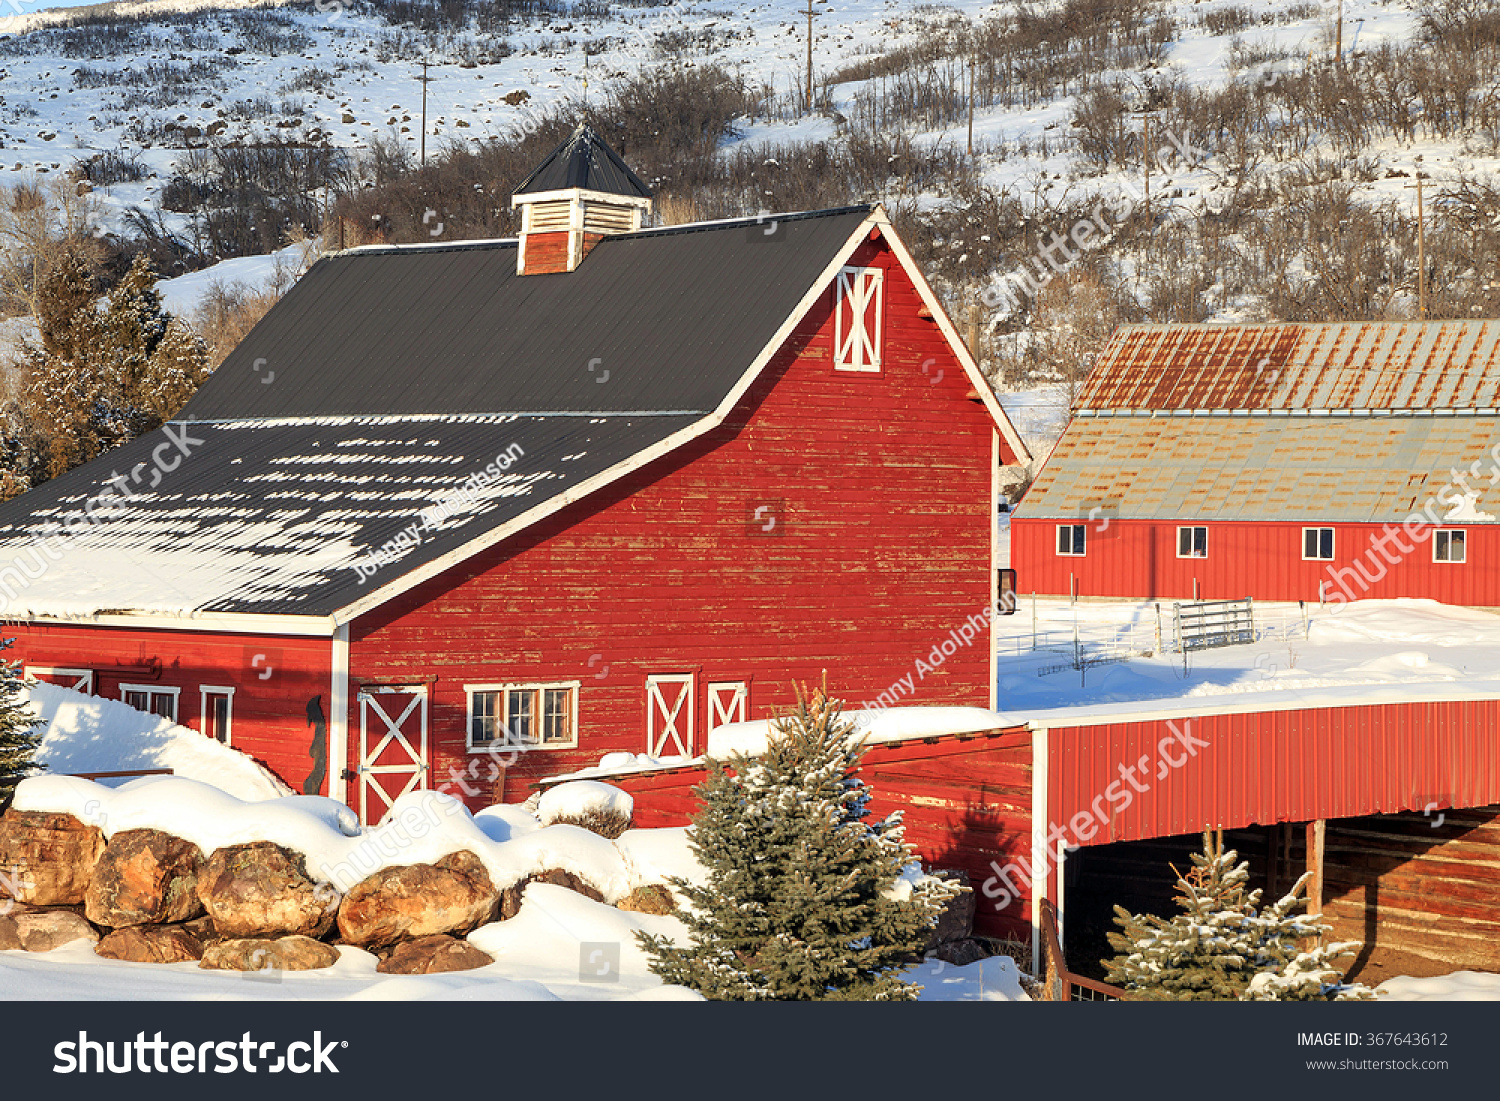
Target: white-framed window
x=1072 y=539
x=1449 y=545
x=728 y=702
x=522 y=716
x=216 y=706
x=1317 y=544
x=153 y=698
x=1192 y=542
x=80 y=680
x=858 y=302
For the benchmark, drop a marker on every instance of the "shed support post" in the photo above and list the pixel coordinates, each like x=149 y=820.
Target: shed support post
x=1316 y=832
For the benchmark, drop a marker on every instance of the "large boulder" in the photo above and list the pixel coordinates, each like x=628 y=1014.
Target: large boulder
x=44 y=930
x=145 y=877
x=294 y=953
x=48 y=858
x=652 y=898
x=453 y=895
x=151 y=944
x=431 y=955
x=262 y=890
x=510 y=898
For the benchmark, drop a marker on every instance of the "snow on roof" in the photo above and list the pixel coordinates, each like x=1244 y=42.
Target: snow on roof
x=294 y=516
x=84 y=733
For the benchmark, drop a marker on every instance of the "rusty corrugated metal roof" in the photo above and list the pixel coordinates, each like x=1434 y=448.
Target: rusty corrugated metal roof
x=1350 y=365
x=1341 y=468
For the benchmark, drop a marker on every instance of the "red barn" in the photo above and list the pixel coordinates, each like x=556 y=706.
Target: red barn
x=1282 y=462
x=598 y=490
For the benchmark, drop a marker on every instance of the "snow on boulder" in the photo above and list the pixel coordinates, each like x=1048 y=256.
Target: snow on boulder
x=91 y=734
x=587 y=803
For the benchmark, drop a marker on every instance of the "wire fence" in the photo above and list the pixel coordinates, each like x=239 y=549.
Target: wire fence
x=1092 y=640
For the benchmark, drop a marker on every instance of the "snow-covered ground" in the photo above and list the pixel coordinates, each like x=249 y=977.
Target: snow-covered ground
x=91 y=734
x=561 y=945
x=1461 y=986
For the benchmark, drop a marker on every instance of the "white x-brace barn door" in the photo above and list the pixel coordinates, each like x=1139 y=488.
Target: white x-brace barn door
x=80 y=680
x=392 y=747
x=728 y=702
x=669 y=715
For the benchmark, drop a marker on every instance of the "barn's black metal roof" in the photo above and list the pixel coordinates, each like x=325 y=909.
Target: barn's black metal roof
x=665 y=319
x=585 y=161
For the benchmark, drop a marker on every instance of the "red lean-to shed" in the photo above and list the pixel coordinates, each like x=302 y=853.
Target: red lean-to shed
x=465 y=515
x=1281 y=462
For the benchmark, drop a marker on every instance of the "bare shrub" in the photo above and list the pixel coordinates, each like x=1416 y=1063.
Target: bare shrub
x=606 y=823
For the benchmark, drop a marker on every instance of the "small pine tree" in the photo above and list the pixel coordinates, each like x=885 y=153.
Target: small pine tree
x=804 y=899
x=19 y=736
x=1221 y=946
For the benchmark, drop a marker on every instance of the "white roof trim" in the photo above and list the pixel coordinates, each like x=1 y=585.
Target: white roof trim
x=229 y=622
x=568 y=194
x=955 y=342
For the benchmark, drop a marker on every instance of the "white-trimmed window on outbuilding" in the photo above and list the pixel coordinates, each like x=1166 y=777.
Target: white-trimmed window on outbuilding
x=1317 y=544
x=216 y=707
x=1450 y=545
x=1072 y=540
x=534 y=716
x=155 y=699
x=858 y=315
x=1192 y=542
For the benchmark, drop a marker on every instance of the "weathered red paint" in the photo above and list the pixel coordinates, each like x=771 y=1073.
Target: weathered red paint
x=275 y=678
x=880 y=489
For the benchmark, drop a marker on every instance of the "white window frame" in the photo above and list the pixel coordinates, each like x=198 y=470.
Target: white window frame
x=206 y=690
x=1191 y=540
x=858 y=349
x=1333 y=538
x=472 y=690
x=1073 y=530
x=738 y=703
x=157 y=690
x=1450 y=532
x=85 y=677
x=657 y=743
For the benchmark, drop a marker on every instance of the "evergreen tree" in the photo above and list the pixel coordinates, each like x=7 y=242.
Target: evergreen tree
x=1221 y=946
x=100 y=376
x=19 y=734
x=804 y=898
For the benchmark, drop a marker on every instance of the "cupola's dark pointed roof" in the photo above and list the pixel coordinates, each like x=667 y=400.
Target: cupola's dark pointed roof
x=584 y=161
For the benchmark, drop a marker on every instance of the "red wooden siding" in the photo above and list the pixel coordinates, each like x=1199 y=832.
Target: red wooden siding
x=546 y=253
x=268 y=719
x=1138 y=559
x=1273 y=766
x=880 y=488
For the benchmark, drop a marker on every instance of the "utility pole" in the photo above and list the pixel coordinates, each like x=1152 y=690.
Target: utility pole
x=425 y=79
x=1421 y=253
x=972 y=53
x=1339 y=35
x=809 y=12
x=1146 y=160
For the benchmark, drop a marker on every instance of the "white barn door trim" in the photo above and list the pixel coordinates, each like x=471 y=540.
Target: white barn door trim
x=388 y=730
x=80 y=680
x=669 y=715
x=728 y=702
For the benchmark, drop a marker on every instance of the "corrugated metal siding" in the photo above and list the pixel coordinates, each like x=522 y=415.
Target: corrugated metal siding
x=1137 y=559
x=1284 y=766
x=1265 y=468
x=1353 y=365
